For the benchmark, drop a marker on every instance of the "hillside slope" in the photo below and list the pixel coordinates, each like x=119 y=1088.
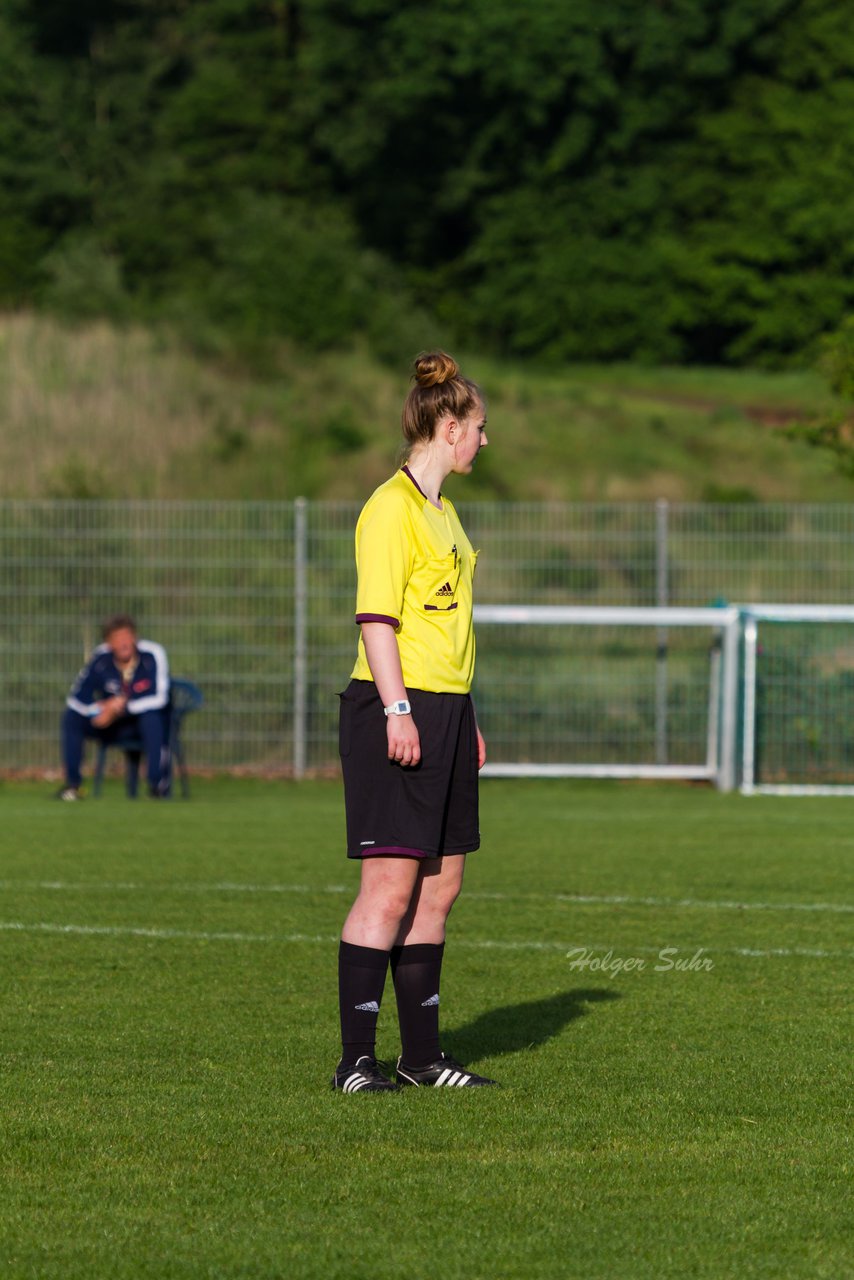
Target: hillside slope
x=98 y=411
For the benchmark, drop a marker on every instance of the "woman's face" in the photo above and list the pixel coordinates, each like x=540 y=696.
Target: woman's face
x=470 y=441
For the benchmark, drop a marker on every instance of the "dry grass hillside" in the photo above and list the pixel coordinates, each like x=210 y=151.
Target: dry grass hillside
x=96 y=411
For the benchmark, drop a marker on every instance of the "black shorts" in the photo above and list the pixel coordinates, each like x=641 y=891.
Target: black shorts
x=423 y=811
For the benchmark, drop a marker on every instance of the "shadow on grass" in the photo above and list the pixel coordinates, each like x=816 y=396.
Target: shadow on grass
x=521 y=1026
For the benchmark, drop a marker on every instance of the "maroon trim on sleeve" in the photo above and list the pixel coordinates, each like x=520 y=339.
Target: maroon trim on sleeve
x=377 y=617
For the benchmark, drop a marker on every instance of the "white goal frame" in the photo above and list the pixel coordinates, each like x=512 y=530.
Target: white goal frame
x=719 y=766
x=752 y=615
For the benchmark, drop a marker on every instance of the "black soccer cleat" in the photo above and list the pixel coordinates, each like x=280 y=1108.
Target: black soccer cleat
x=364 y=1077
x=447 y=1072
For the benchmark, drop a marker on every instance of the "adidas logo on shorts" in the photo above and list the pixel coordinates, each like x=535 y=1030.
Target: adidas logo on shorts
x=370 y=1006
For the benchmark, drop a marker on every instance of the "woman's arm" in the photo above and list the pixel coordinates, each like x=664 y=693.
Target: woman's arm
x=481 y=745
x=404 y=744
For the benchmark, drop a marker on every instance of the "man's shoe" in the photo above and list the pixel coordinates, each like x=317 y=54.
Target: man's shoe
x=364 y=1077
x=446 y=1072
x=69 y=793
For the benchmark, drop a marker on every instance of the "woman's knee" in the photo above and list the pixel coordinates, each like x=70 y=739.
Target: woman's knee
x=389 y=909
x=439 y=900
x=386 y=897
x=445 y=903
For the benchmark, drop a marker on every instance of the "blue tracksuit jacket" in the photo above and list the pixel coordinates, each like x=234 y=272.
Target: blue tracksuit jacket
x=147 y=689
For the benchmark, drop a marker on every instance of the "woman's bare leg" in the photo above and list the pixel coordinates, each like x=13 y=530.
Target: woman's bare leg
x=383 y=900
x=434 y=893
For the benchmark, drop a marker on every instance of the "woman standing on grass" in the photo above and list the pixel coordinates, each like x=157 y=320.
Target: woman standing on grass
x=409 y=741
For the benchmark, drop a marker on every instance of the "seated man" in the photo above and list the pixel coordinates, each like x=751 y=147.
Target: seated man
x=122 y=694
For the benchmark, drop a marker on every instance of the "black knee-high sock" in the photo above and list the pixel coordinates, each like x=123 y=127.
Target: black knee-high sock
x=416 y=969
x=361 y=978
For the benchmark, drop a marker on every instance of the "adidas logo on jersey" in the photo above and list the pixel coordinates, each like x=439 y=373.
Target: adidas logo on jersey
x=447 y=590
x=425 y=1004
x=370 y=1006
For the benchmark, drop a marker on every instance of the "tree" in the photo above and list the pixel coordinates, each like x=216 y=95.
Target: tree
x=833 y=428
x=668 y=182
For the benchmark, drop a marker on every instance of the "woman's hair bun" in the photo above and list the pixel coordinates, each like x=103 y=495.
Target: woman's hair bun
x=440 y=389
x=435 y=367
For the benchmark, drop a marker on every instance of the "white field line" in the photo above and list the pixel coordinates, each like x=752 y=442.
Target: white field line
x=129 y=931
x=582 y=899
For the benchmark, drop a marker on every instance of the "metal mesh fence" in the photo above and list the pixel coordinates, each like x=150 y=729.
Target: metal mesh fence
x=593 y=695
x=662 y=553
x=804 y=704
x=212 y=582
x=253 y=602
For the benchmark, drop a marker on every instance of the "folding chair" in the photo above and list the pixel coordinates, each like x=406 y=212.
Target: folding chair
x=184 y=697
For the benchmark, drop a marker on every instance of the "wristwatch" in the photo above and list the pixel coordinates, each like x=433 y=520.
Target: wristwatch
x=401 y=708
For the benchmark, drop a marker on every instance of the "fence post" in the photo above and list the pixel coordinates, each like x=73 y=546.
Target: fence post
x=300 y=636
x=662 y=507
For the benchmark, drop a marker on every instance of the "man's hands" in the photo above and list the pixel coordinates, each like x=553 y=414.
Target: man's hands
x=481 y=749
x=404 y=744
x=111 y=709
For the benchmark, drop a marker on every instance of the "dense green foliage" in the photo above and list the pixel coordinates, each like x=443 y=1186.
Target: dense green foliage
x=169 y=1027
x=831 y=430
x=671 y=181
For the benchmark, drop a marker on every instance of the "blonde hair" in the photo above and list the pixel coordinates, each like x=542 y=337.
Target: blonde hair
x=440 y=390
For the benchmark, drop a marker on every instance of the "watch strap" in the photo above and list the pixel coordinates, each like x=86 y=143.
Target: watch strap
x=399 y=708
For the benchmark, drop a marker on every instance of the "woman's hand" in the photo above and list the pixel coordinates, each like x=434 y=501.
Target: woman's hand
x=481 y=745
x=404 y=744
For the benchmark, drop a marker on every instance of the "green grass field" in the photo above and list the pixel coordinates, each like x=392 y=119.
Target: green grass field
x=170 y=1027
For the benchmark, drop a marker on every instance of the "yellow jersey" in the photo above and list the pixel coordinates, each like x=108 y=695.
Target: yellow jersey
x=415 y=569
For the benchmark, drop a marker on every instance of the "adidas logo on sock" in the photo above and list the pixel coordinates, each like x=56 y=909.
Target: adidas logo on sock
x=447 y=590
x=371 y=1006
x=425 y=1004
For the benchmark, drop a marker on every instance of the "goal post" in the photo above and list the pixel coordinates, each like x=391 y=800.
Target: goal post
x=759 y=696
x=798 y=700
x=626 y=684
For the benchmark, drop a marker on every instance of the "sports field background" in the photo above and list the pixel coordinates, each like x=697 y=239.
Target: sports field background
x=169 y=1028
